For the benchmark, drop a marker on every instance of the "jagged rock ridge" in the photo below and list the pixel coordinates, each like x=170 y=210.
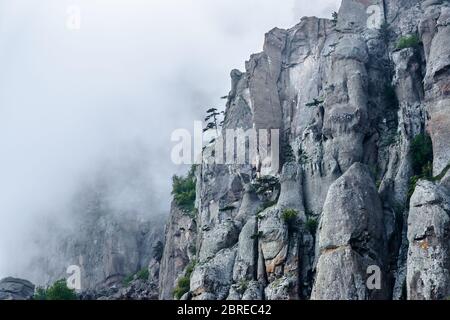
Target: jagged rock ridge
x=350 y=98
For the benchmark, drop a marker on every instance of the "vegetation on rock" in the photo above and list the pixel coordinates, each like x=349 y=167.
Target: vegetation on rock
x=411 y=41
x=58 y=291
x=289 y=217
x=422 y=161
x=311 y=225
x=212 y=120
x=184 y=283
x=183 y=191
x=421 y=154
x=143 y=274
x=335 y=17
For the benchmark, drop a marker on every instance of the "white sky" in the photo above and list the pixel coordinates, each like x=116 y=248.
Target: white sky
x=135 y=71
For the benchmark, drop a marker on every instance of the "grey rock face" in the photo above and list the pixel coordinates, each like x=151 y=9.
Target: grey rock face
x=245 y=267
x=212 y=280
x=429 y=251
x=280 y=289
x=437 y=85
x=291 y=194
x=273 y=241
x=349 y=102
x=138 y=289
x=222 y=236
x=246 y=290
x=178 y=250
x=351 y=238
x=16 y=289
x=263 y=71
x=253 y=292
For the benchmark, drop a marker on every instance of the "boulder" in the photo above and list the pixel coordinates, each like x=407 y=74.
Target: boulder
x=16 y=289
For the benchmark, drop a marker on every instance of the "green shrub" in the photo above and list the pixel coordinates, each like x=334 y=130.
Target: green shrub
x=184 y=283
x=243 y=285
x=183 y=286
x=190 y=268
x=40 y=294
x=58 y=291
x=410 y=41
x=311 y=225
x=289 y=217
x=422 y=155
x=183 y=191
x=143 y=274
x=422 y=161
x=128 y=279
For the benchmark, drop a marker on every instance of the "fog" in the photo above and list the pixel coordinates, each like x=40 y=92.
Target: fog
x=111 y=91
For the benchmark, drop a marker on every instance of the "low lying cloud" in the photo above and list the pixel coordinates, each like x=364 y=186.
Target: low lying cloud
x=72 y=100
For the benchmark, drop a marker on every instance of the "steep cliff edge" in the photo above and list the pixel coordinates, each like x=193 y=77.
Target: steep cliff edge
x=357 y=192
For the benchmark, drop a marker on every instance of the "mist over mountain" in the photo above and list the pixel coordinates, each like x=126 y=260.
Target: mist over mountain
x=92 y=109
x=351 y=203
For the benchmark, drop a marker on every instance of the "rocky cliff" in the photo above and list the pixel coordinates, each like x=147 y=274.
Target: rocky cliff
x=363 y=106
x=358 y=209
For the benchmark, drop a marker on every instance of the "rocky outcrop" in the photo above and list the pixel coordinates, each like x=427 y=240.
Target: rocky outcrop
x=352 y=238
x=179 y=250
x=437 y=91
x=16 y=289
x=429 y=237
x=349 y=97
x=212 y=279
x=137 y=289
